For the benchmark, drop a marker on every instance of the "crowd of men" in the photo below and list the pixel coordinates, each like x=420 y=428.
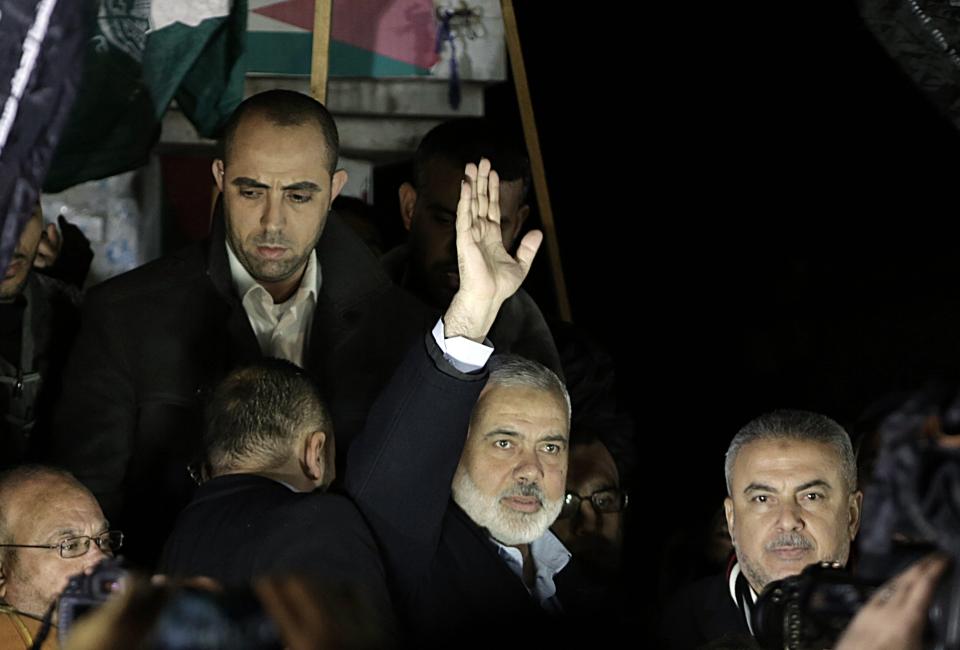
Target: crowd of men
x=407 y=432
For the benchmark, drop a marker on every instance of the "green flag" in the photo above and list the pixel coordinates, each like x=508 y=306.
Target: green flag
x=143 y=54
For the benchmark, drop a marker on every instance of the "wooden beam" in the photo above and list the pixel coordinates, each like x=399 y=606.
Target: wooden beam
x=320 y=59
x=536 y=157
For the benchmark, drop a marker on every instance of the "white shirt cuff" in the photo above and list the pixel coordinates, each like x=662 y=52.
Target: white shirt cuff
x=462 y=353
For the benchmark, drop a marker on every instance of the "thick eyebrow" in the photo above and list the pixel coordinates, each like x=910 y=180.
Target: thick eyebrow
x=75 y=532
x=758 y=487
x=501 y=432
x=310 y=186
x=814 y=483
x=243 y=181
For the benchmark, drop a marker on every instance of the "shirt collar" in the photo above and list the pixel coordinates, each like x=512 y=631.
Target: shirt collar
x=548 y=553
x=245 y=283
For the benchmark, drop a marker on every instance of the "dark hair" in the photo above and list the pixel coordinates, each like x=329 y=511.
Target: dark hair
x=466 y=140
x=284 y=108
x=257 y=412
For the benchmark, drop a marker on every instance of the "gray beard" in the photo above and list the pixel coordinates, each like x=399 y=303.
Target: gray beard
x=508 y=527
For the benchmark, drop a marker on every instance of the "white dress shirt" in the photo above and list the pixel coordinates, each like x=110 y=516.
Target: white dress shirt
x=282 y=330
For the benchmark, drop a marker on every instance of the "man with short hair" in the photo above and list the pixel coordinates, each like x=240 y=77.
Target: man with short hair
x=269 y=446
x=792 y=500
x=275 y=278
x=461 y=470
x=426 y=265
x=51 y=528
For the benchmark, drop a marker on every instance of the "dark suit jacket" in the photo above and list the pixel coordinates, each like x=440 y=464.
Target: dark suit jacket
x=242 y=526
x=448 y=581
x=155 y=340
x=701 y=613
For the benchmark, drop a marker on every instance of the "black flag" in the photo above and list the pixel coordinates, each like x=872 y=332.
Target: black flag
x=41 y=47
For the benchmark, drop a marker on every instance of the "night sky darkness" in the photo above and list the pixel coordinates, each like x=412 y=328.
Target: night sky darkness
x=756 y=209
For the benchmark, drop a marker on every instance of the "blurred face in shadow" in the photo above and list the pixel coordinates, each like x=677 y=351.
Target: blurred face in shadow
x=587 y=531
x=17 y=271
x=430 y=213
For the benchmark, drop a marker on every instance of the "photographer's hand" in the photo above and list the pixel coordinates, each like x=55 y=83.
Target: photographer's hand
x=894 y=617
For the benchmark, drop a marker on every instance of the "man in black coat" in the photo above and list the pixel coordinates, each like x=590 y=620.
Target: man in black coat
x=461 y=473
x=266 y=512
x=155 y=340
x=39 y=318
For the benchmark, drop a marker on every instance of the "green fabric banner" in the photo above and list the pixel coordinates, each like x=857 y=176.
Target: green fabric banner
x=140 y=57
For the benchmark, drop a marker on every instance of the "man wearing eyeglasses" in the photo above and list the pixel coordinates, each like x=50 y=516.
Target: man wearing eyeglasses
x=591 y=520
x=51 y=528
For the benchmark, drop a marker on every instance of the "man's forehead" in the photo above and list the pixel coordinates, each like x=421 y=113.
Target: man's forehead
x=786 y=462
x=257 y=140
x=499 y=404
x=592 y=466
x=441 y=181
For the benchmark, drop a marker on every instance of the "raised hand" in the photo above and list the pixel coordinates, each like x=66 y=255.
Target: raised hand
x=488 y=273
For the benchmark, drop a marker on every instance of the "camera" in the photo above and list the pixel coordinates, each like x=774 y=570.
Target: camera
x=85 y=592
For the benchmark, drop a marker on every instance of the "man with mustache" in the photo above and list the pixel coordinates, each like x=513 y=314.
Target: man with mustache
x=39 y=317
x=275 y=278
x=792 y=500
x=462 y=465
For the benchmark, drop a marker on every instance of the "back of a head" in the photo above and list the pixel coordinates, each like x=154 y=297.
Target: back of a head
x=284 y=108
x=795 y=425
x=257 y=414
x=466 y=140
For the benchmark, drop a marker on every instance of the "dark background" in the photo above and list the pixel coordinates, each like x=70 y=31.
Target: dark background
x=756 y=210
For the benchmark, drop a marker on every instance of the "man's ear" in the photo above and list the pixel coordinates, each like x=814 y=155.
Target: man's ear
x=339 y=180
x=728 y=512
x=313 y=457
x=218 y=173
x=856 y=505
x=408 y=201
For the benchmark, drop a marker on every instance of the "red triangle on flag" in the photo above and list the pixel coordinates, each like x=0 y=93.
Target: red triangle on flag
x=298 y=13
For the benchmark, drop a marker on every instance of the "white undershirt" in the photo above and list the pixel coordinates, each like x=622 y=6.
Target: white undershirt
x=282 y=330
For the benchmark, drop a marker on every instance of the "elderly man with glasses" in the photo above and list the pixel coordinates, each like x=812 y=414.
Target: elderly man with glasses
x=51 y=528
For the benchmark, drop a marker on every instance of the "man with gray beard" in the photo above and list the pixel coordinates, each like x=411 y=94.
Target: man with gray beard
x=792 y=500
x=461 y=467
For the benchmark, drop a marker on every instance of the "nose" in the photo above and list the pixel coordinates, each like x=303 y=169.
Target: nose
x=790 y=517
x=586 y=519
x=93 y=556
x=528 y=468
x=272 y=217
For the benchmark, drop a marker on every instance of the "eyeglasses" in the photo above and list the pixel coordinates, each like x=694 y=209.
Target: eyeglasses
x=604 y=501
x=108 y=542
